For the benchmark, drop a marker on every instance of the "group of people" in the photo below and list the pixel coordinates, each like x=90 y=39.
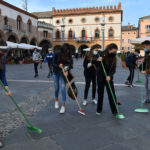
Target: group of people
x=99 y=69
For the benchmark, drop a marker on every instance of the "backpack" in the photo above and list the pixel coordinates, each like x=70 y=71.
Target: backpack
x=127 y=60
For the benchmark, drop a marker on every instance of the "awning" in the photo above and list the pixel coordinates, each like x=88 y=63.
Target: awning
x=20 y=46
x=139 y=40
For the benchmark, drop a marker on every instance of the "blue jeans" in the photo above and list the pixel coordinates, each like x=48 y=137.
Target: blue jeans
x=58 y=76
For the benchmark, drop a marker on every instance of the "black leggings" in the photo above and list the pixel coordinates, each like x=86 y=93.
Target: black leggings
x=101 y=84
x=88 y=80
x=131 y=75
x=36 y=68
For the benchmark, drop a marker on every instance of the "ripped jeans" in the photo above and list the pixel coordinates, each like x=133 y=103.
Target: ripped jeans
x=58 y=77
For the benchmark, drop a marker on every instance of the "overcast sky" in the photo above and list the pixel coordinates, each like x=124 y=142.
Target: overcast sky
x=132 y=9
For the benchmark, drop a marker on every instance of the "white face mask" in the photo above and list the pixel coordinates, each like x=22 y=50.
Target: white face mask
x=95 y=52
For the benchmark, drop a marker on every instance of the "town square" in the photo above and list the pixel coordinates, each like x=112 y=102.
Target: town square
x=74 y=75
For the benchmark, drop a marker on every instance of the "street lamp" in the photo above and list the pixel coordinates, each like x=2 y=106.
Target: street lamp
x=103 y=31
x=63 y=30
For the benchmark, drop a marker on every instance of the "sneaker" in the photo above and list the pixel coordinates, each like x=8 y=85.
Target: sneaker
x=62 y=110
x=127 y=83
x=36 y=75
x=147 y=101
x=84 y=103
x=98 y=113
x=56 y=104
x=94 y=101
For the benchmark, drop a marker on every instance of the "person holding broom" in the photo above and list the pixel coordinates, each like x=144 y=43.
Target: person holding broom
x=62 y=57
x=3 y=77
x=90 y=75
x=108 y=57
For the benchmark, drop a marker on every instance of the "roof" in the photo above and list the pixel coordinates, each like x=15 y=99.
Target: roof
x=145 y=17
x=128 y=28
x=17 y=9
x=45 y=14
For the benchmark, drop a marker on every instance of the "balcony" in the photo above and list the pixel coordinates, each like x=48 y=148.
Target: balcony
x=45 y=25
x=8 y=28
x=83 y=39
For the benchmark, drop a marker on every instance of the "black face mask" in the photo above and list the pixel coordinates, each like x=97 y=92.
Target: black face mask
x=112 y=55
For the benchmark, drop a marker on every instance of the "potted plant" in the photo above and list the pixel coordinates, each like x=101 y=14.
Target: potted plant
x=21 y=60
x=123 y=58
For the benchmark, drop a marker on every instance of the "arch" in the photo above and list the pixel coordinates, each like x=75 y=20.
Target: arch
x=33 y=41
x=57 y=34
x=5 y=20
x=97 y=33
x=29 y=25
x=111 y=33
x=45 y=44
x=12 y=38
x=81 y=52
x=19 y=22
x=57 y=47
x=24 y=39
x=98 y=46
x=73 y=49
x=70 y=34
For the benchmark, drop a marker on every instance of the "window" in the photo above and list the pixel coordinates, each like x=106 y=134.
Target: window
x=128 y=48
x=111 y=19
x=97 y=33
x=97 y=19
x=70 y=34
x=83 y=20
x=5 y=21
x=134 y=32
x=128 y=33
x=122 y=48
x=19 y=20
x=111 y=33
x=57 y=34
x=128 y=40
x=147 y=28
x=70 y=20
x=57 y=21
x=83 y=33
x=122 y=40
x=45 y=34
x=29 y=24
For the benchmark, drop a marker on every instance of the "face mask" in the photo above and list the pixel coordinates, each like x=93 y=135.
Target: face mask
x=145 y=50
x=95 y=53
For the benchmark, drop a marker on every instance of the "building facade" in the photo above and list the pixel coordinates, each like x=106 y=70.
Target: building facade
x=83 y=26
x=19 y=26
x=144 y=26
x=128 y=32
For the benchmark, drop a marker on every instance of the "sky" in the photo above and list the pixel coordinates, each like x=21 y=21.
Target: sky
x=132 y=9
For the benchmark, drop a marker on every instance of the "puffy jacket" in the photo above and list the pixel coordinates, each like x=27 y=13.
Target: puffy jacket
x=37 y=57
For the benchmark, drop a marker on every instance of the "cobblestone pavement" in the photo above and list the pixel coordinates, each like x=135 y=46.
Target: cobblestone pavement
x=70 y=131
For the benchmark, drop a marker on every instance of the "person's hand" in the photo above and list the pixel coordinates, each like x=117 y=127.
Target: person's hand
x=9 y=93
x=61 y=66
x=108 y=78
x=66 y=73
x=89 y=65
x=143 y=72
x=100 y=59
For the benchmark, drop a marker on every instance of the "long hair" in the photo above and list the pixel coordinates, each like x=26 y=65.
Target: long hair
x=107 y=49
x=90 y=55
x=66 y=53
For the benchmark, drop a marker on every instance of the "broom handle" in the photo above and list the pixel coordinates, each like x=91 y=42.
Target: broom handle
x=109 y=86
x=13 y=100
x=71 y=89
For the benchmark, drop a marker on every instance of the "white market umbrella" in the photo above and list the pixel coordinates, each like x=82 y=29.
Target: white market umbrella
x=139 y=40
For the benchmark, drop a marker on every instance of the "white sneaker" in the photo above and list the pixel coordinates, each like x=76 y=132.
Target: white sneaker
x=94 y=101
x=84 y=103
x=56 y=104
x=62 y=110
x=97 y=113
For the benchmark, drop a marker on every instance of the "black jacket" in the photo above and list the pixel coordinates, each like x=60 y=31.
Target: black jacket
x=91 y=71
x=132 y=60
x=110 y=67
x=57 y=60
